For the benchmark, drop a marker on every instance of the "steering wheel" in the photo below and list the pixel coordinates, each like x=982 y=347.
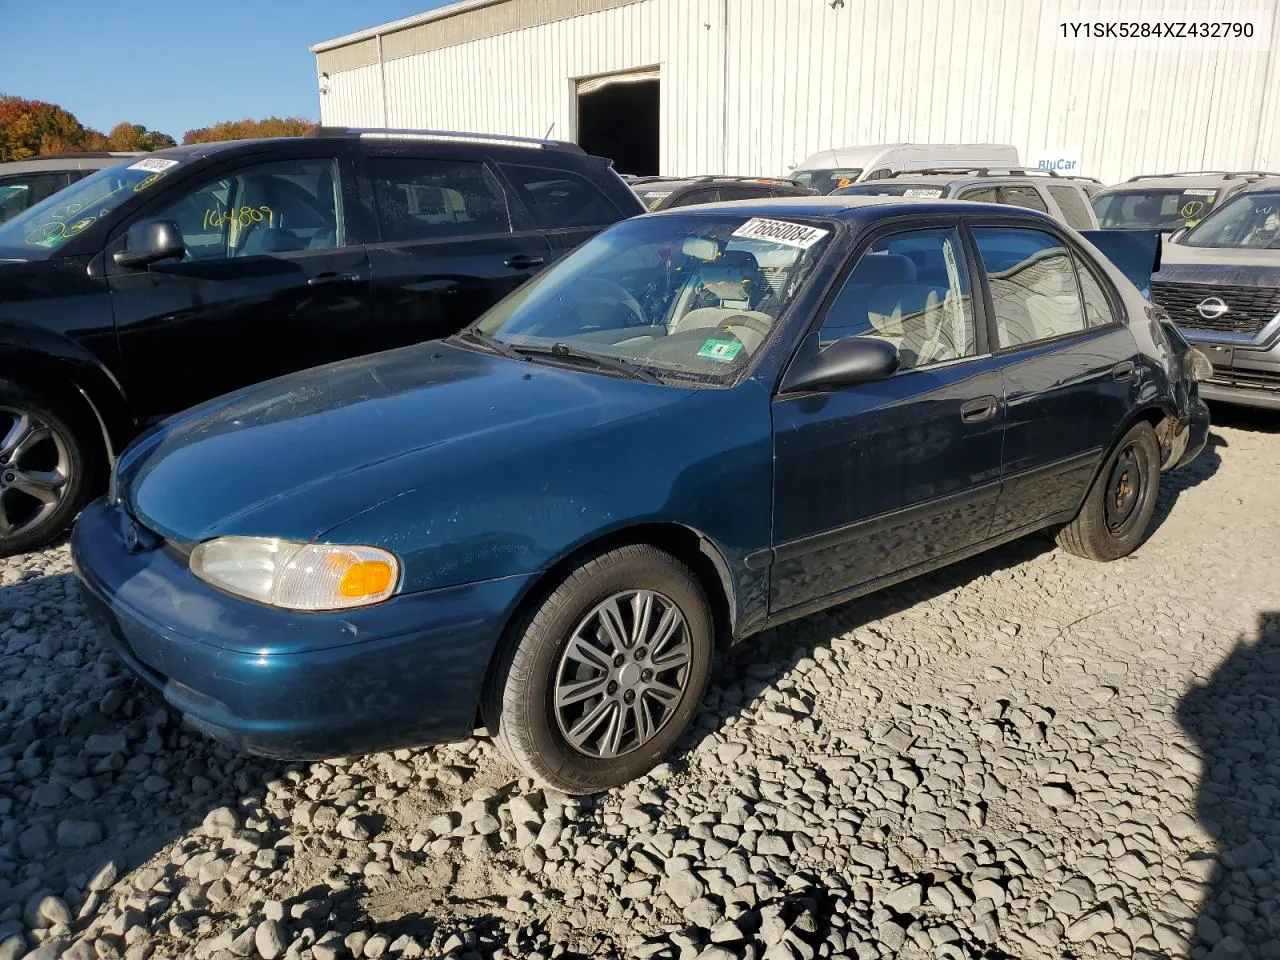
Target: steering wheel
x=758 y=324
x=598 y=290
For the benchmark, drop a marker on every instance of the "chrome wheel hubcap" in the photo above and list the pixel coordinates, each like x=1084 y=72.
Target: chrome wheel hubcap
x=34 y=469
x=623 y=673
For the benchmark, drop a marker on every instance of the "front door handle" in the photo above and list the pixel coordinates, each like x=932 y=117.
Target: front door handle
x=524 y=261
x=323 y=279
x=979 y=409
x=1122 y=371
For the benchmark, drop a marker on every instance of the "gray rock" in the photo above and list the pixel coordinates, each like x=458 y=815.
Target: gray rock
x=220 y=822
x=271 y=939
x=1253 y=853
x=49 y=794
x=905 y=898
x=1057 y=796
x=1090 y=925
x=683 y=887
x=78 y=834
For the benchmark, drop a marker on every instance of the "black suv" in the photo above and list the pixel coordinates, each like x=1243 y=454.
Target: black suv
x=160 y=282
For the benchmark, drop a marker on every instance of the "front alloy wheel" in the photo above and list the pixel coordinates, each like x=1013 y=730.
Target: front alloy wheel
x=598 y=680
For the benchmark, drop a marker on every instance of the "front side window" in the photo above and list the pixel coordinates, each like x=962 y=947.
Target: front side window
x=911 y=289
x=47 y=225
x=1033 y=285
x=1028 y=197
x=1074 y=209
x=1249 y=220
x=1163 y=210
x=269 y=208
x=424 y=199
x=688 y=296
x=560 y=199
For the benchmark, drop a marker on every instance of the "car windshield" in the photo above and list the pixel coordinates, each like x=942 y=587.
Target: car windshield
x=652 y=194
x=40 y=230
x=824 y=181
x=683 y=296
x=1246 y=220
x=1153 y=209
x=878 y=188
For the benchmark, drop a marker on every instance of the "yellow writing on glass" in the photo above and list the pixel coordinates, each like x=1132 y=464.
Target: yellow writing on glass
x=216 y=217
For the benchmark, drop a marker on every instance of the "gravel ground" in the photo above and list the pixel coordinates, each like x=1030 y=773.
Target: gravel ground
x=1028 y=755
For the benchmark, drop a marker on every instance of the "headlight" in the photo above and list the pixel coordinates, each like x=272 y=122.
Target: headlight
x=298 y=576
x=1196 y=365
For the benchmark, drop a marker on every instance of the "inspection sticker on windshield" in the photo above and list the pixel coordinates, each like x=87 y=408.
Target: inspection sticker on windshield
x=153 y=165
x=722 y=351
x=780 y=231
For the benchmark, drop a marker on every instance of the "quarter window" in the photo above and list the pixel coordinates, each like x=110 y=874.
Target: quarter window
x=1033 y=285
x=423 y=199
x=1074 y=209
x=911 y=289
x=559 y=199
x=1097 y=308
x=271 y=208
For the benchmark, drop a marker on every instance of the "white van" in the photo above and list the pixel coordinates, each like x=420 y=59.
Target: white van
x=829 y=170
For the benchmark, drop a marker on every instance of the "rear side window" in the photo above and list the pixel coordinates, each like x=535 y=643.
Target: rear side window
x=1024 y=196
x=424 y=199
x=694 y=197
x=558 y=198
x=1074 y=210
x=1033 y=285
x=981 y=195
x=1097 y=308
x=18 y=193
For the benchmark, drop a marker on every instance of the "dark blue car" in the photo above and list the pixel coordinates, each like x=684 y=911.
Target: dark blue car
x=700 y=424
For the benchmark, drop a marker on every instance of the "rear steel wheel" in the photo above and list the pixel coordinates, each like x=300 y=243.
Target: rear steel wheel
x=1116 y=512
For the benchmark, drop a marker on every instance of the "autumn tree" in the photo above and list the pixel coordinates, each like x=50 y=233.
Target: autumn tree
x=250 y=130
x=134 y=136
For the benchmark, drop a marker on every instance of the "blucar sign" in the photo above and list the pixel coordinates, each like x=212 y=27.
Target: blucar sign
x=1061 y=161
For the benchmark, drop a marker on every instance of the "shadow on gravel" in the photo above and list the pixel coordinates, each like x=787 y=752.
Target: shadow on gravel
x=1235 y=721
x=1176 y=482
x=1245 y=418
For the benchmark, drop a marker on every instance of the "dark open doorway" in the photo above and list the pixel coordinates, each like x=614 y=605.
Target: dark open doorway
x=618 y=119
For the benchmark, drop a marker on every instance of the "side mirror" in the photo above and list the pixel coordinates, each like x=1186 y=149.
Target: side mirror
x=843 y=362
x=1178 y=234
x=150 y=241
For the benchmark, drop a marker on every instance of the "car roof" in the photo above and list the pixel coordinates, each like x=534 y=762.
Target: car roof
x=835 y=207
x=66 y=161
x=710 y=179
x=1264 y=183
x=1183 y=181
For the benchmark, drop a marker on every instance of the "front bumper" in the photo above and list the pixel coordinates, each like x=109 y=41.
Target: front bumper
x=1244 y=372
x=406 y=672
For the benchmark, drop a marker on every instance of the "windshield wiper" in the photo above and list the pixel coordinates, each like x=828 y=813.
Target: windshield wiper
x=487 y=342
x=562 y=351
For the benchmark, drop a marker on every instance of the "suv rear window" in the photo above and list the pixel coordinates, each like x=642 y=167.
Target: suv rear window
x=558 y=198
x=1074 y=209
x=1027 y=197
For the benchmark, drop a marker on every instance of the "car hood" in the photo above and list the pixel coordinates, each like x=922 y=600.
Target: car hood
x=1232 y=265
x=296 y=456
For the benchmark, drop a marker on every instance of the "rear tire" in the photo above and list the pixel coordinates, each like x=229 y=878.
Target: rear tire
x=581 y=712
x=1116 y=512
x=45 y=466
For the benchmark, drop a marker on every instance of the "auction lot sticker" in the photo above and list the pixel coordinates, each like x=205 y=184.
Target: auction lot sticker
x=781 y=231
x=153 y=164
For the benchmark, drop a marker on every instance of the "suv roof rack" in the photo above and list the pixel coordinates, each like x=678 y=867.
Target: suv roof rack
x=1224 y=174
x=444 y=136
x=1076 y=176
x=977 y=172
x=713 y=177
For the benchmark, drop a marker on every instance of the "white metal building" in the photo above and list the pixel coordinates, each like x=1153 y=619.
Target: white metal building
x=754 y=86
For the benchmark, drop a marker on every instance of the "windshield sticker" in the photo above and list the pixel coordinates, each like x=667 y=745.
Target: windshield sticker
x=1200 y=193
x=722 y=351
x=922 y=192
x=153 y=165
x=780 y=231
x=1191 y=209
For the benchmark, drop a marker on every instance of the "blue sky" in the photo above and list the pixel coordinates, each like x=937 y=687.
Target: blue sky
x=180 y=64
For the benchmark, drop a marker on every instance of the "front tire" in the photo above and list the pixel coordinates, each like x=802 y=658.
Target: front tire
x=1117 y=511
x=601 y=678
x=44 y=469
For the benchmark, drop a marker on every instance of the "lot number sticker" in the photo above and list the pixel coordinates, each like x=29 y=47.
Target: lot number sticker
x=922 y=192
x=780 y=231
x=153 y=165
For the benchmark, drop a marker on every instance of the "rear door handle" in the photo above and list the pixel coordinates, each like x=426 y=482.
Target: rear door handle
x=323 y=279
x=978 y=409
x=524 y=261
x=1122 y=371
